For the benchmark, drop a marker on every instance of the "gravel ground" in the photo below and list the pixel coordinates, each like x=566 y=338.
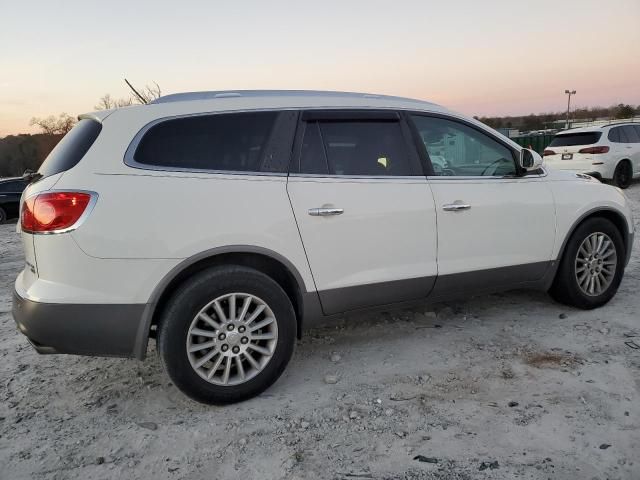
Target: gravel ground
x=502 y=386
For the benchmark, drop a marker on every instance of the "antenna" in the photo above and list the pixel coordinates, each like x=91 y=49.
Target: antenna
x=140 y=97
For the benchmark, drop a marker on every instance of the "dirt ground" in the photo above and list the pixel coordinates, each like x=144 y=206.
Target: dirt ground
x=503 y=386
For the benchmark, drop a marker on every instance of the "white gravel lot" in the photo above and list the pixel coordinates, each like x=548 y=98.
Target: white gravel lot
x=436 y=382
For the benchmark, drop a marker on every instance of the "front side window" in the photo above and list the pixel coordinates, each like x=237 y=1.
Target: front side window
x=359 y=147
x=225 y=142
x=456 y=149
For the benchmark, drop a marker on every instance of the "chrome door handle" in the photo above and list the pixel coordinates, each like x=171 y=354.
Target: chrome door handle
x=456 y=207
x=325 y=211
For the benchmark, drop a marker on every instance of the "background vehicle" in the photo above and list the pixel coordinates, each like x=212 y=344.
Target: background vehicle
x=610 y=152
x=10 y=191
x=293 y=206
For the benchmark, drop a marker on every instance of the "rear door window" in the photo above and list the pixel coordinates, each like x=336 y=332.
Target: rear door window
x=235 y=142
x=73 y=146
x=573 y=139
x=631 y=134
x=356 y=148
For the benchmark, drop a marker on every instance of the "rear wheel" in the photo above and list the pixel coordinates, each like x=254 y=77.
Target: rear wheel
x=623 y=173
x=227 y=334
x=591 y=268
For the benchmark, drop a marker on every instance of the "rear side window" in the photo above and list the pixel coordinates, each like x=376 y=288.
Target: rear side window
x=71 y=148
x=614 y=135
x=359 y=147
x=572 y=139
x=222 y=142
x=631 y=133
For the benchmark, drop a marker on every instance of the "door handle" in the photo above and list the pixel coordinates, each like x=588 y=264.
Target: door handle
x=456 y=207
x=325 y=211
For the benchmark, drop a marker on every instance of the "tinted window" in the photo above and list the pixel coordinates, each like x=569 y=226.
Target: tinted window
x=14 y=186
x=637 y=127
x=572 y=139
x=231 y=142
x=365 y=148
x=457 y=149
x=312 y=157
x=614 y=135
x=623 y=135
x=71 y=148
x=631 y=134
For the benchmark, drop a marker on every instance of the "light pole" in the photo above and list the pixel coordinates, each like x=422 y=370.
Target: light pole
x=569 y=92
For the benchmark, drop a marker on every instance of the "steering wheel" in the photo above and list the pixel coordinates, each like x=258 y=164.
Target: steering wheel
x=494 y=165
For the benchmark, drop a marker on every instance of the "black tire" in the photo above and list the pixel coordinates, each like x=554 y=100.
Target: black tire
x=623 y=174
x=185 y=304
x=565 y=288
x=3 y=216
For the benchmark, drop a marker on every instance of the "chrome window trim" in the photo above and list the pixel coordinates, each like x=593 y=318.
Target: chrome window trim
x=87 y=211
x=356 y=177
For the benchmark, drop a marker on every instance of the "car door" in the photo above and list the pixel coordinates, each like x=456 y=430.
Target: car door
x=364 y=210
x=495 y=228
x=632 y=146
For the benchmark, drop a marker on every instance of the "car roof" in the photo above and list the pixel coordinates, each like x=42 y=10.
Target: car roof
x=301 y=98
x=595 y=128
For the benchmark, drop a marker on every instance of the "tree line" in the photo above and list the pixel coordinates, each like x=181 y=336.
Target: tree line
x=27 y=151
x=545 y=120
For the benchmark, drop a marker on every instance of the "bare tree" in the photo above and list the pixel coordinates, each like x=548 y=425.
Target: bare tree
x=147 y=94
x=107 y=102
x=54 y=126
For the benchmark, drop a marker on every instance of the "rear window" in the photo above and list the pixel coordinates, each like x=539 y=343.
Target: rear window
x=572 y=139
x=71 y=148
x=224 y=142
x=13 y=186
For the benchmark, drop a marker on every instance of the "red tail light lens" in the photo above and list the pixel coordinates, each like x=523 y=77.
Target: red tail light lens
x=594 y=150
x=548 y=152
x=53 y=212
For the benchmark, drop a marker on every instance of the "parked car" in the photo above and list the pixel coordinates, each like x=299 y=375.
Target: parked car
x=10 y=191
x=224 y=223
x=610 y=152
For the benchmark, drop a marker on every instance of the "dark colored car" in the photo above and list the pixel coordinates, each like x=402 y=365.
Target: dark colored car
x=10 y=192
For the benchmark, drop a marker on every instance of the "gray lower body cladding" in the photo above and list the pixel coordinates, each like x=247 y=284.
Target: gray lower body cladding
x=119 y=330
x=81 y=329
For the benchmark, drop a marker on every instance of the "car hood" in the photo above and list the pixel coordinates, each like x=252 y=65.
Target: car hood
x=566 y=175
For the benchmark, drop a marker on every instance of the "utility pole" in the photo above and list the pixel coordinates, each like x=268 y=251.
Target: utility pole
x=569 y=92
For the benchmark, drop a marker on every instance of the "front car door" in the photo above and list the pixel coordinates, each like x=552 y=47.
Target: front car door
x=364 y=209
x=495 y=228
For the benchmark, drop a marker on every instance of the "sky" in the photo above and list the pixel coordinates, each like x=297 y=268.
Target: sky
x=478 y=57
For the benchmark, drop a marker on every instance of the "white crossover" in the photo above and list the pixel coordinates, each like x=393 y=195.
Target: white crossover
x=223 y=223
x=609 y=153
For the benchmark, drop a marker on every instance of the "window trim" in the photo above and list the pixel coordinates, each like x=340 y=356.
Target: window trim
x=130 y=161
x=430 y=172
x=391 y=115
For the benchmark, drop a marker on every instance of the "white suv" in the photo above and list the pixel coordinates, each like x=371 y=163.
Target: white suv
x=610 y=152
x=223 y=223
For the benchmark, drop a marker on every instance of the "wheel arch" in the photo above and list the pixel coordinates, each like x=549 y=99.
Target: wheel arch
x=262 y=259
x=611 y=214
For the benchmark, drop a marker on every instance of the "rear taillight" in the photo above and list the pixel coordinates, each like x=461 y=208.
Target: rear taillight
x=594 y=150
x=54 y=212
x=548 y=152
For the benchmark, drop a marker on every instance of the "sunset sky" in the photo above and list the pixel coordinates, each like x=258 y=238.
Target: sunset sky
x=478 y=57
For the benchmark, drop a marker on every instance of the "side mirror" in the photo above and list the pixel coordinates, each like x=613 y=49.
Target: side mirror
x=530 y=160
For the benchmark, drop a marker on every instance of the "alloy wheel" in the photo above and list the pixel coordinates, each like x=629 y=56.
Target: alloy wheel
x=595 y=264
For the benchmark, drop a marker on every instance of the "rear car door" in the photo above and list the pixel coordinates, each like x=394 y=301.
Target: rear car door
x=632 y=147
x=495 y=228
x=364 y=209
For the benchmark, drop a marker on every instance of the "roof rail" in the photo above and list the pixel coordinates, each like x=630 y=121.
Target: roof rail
x=187 y=96
x=633 y=120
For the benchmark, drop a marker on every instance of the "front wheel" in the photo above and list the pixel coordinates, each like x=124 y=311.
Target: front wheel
x=592 y=266
x=227 y=334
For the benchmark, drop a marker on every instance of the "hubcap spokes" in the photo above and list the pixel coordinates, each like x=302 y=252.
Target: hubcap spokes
x=596 y=263
x=232 y=339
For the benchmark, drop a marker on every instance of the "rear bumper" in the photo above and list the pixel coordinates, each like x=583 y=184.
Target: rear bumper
x=108 y=330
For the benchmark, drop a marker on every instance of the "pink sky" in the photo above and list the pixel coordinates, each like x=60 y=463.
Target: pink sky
x=480 y=58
